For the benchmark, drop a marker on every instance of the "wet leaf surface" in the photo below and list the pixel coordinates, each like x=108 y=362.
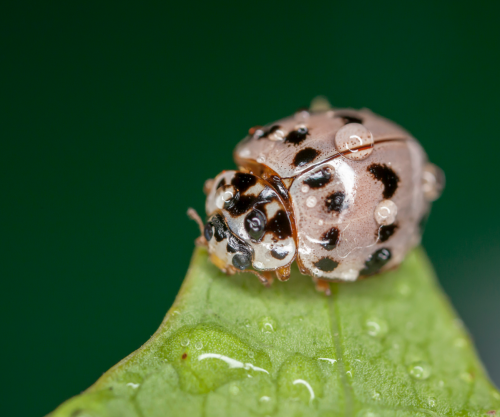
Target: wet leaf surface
x=387 y=346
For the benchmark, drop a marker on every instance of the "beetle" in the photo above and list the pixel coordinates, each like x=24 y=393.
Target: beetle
x=344 y=193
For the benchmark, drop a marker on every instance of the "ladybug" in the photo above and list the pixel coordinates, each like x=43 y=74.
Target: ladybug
x=344 y=193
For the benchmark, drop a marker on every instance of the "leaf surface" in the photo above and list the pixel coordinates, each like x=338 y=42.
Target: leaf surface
x=387 y=346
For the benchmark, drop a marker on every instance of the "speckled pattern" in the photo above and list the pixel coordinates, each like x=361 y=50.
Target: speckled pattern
x=275 y=243
x=343 y=169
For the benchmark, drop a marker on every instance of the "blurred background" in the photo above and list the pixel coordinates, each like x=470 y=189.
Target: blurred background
x=112 y=117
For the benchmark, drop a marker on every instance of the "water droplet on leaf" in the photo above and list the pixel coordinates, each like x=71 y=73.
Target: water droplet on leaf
x=419 y=370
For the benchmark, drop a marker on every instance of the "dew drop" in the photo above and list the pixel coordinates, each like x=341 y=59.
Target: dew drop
x=376 y=396
x=349 y=275
x=301 y=115
x=404 y=289
x=311 y=201
x=376 y=327
x=251 y=354
x=185 y=342
x=355 y=140
x=386 y=212
x=234 y=389
x=419 y=370
x=433 y=181
x=245 y=153
x=366 y=413
x=277 y=135
x=198 y=345
x=267 y=325
x=432 y=402
x=246 y=323
x=467 y=377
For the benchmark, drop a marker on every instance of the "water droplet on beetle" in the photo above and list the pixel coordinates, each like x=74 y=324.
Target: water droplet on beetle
x=185 y=342
x=267 y=325
x=311 y=201
x=355 y=141
x=305 y=188
x=433 y=181
x=376 y=327
x=277 y=135
x=261 y=159
x=301 y=115
x=386 y=212
x=419 y=370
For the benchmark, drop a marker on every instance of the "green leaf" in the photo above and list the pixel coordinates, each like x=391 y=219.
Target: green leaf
x=387 y=346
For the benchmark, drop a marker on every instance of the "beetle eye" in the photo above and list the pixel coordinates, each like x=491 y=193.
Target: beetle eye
x=208 y=232
x=242 y=260
x=226 y=196
x=255 y=224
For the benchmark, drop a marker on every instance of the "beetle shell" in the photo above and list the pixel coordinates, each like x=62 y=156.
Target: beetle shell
x=342 y=192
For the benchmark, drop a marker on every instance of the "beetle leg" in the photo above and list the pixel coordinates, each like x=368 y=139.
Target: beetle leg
x=322 y=285
x=266 y=278
x=283 y=273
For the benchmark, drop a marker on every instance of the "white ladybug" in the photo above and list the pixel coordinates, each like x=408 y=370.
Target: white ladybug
x=345 y=193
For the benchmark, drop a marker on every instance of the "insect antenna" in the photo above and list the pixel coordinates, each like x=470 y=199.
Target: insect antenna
x=193 y=215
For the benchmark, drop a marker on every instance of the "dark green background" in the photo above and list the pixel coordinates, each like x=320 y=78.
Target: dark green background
x=112 y=117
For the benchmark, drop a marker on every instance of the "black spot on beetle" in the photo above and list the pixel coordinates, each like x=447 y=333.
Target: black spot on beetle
x=387 y=176
x=247 y=202
x=208 y=232
x=349 y=118
x=244 y=203
x=220 y=227
x=376 y=261
x=335 y=202
x=242 y=260
x=268 y=131
x=243 y=181
x=279 y=253
x=279 y=225
x=330 y=239
x=326 y=264
x=221 y=183
x=305 y=156
x=385 y=232
x=296 y=137
x=319 y=178
x=255 y=224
